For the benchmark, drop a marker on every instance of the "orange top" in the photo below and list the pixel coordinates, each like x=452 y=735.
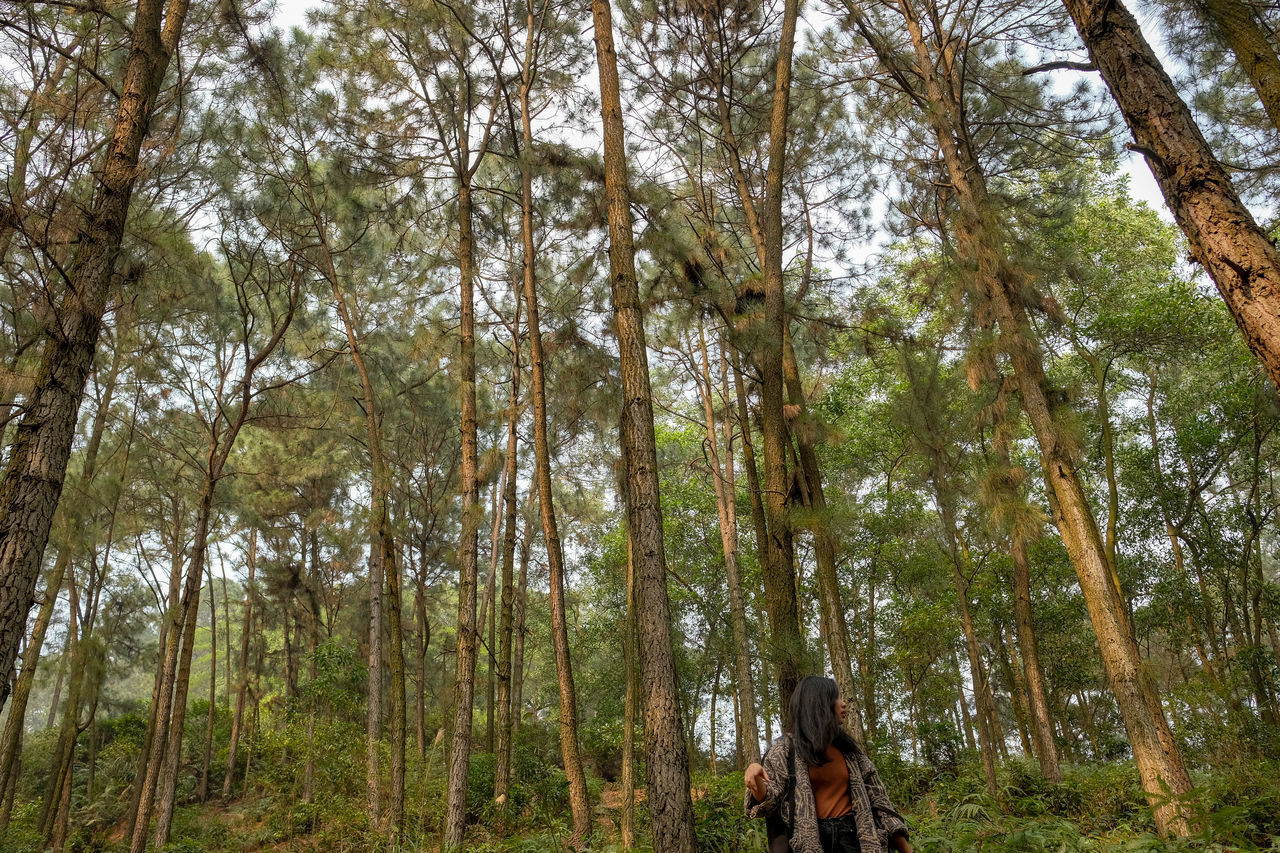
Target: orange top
x=831 y=785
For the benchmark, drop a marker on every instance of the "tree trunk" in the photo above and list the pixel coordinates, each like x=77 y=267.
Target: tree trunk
x=998 y=285
x=202 y=792
x=1041 y=725
x=666 y=762
x=395 y=665
x=578 y=798
x=38 y=456
x=242 y=679
x=505 y=728
x=787 y=644
x=631 y=704
x=722 y=477
x=517 y=663
x=1222 y=233
x=1253 y=49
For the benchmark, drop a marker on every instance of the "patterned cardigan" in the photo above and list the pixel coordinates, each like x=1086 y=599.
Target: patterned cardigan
x=878 y=821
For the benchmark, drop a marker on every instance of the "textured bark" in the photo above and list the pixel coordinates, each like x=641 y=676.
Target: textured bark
x=787 y=645
x=1041 y=724
x=468 y=549
x=506 y=617
x=33 y=480
x=242 y=679
x=666 y=762
x=12 y=743
x=1222 y=233
x=631 y=706
x=722 y=477
x=395 y=667
x=834 y=626
x=569 y=749
x=166 y=746
x=1253 y=49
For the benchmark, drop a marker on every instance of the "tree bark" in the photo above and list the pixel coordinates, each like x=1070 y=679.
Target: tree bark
x=666 y=762
x=38 y=456
x=1222 y=233
x=1041 y=724
x=631 y=704
x=998 y=286
x=722 y=477
x=569 y=749
x=242 y=679
x=505 y=729
x=1253 y=49
x=468 y=641
x=787 y=644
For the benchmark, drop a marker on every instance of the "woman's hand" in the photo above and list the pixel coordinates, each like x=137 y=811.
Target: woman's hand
x=755 y=779
x=900 y=841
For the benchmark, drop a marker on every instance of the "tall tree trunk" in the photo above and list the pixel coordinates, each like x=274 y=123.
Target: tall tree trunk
x=202 y=791
x=520 y=628
x=395 y=666
x=168 y=636
x=379 y=533
x=468 y=551
x=666 y=762
x=1236 y=20
x=33 y=480
x=722 y=477
x=505 y=729
x=835 y=628
x=1222 y=233
x=998 y=286
x=631 y=704
x=11 y=746
x=1041 y=724
x=166 y=747
x=787 y=644
x=242 y=679
x=578 y=798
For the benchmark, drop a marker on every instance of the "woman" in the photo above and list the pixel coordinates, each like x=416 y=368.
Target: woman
x=820 y=782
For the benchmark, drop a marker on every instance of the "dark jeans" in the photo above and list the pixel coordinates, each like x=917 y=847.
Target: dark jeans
x=838 y=834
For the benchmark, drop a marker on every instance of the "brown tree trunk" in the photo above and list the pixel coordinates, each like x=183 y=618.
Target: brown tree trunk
x=1159 y=762
x=1222 y=233
x=506 y=618
x=631 y=704
x=787 y=644
x=1041 y=724
x=468 y=550
x=517 y=662
x=834 y=626
x=38 y=456
x=202 y=791
x=578 y=799
x=395 y=666
x=722 y=477
x=666 y=762
x=166 y=748
x=242 y=679
x=1253 y=49
x=12 y=743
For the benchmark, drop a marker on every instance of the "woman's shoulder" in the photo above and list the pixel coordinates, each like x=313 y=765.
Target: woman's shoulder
x=780 y=747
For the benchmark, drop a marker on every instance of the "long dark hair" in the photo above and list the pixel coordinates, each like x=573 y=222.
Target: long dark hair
x=814 y=724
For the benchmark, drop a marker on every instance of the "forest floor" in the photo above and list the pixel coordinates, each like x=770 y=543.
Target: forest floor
x=1096 y=808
